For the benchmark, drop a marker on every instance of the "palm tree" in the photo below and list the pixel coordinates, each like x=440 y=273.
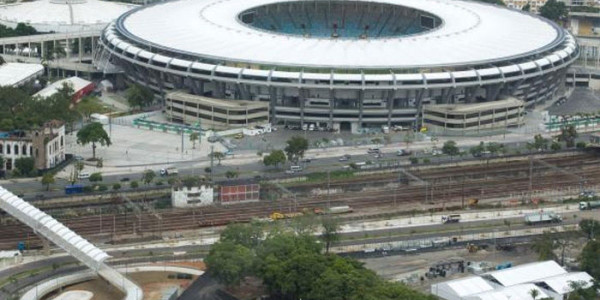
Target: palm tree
x=194 y=136
x=534 y=293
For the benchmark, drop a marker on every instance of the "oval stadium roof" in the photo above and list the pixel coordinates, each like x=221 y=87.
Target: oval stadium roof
x=471 y=33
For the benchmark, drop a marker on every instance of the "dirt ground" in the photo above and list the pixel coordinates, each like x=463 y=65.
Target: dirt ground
x=409 y=268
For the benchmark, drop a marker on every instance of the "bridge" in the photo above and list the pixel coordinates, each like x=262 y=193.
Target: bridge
x=48 y=227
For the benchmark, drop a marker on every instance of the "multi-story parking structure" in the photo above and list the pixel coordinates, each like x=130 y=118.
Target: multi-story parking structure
x=341 y=64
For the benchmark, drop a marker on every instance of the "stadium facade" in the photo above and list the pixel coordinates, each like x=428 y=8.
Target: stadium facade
x=345 y=65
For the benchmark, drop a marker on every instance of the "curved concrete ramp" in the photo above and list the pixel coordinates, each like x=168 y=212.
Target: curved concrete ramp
x=45 y=225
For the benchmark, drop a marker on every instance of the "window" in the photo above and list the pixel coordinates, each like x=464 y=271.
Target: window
x=1 y=148
x=61 y=141
x=7 y=149
x=24 y=150
x=16 y=149
x=30 y=151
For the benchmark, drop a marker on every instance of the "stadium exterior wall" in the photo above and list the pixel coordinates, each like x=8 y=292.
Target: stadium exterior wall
x=342 y=101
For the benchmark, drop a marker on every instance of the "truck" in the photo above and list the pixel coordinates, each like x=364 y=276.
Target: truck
x=280 y=216
x=169 y=171
x=74 y=189
x=450 y=219
x=542 y=217
x=334 y=210
x=583 y=205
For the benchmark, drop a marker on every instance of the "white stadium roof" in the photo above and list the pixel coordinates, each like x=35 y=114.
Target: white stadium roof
x=471 y=33
x=57 y=16
x=15 y=74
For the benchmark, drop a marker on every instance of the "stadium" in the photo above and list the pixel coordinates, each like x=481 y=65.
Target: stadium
x=342 y=65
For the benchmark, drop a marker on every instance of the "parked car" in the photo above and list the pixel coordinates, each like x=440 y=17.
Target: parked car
x=83 y=175
x=346 y=157
x=124 y=179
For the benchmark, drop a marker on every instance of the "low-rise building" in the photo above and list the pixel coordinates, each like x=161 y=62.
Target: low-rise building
x=45 y=144
x=548 y=278
x=17 y=74
x=449 y=118
x=182 y=196
x=81 y=87
x=212 y=113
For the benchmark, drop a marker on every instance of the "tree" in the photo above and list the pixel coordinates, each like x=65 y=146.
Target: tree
x=194 y=136
x=218 y=156
x=554 y=10
x=148 y=176
x=568 y=135
x=231 y=174
x=588 y=259
x=494 y=148
x=247 y=235
x=275 y=158
x=476 y=151
x=228 y=262
x=88 y=106
x=134 y=185
x=534 y=293
x=582 y=290
x=96 y=177
x=526 y=7
x=544 y=246
x=589 y=227
x=47 y=180
x=139 y=96
x=540 y=143
x=330 y=232
x=450 y=149
x=93 y=133
x=295 y=148
x=555 y=146
x=25 y=166
x=116 y=187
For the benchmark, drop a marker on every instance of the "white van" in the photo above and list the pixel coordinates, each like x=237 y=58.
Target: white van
x=83 y=175
x=295 y=168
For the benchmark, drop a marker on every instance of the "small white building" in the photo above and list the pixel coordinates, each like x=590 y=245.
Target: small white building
x=9 y=258
x=195 y=196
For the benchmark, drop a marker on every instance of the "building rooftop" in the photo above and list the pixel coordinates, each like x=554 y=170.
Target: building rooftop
x=526 y=273
x=520 y=292
x=51 y=89
x=224 y=103
x=476 y=107
x=561 y=284
x=471 y=33
x=15 y=74
x=58 y=16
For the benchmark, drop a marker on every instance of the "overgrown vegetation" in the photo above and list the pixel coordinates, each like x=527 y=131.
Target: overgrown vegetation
x=22 y=29
x=292 y=266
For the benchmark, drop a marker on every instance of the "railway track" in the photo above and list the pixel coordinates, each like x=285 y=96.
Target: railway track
x=497 y=181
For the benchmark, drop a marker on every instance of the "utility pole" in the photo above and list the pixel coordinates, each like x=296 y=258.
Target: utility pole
x=530 y=177
x=212 y=160
x=182 y=141
x=328 y=187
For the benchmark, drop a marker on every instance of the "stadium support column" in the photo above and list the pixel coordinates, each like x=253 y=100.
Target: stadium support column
x=93 y=46
x=361 y=98
x=331 y=107
x=492 y=91
x=273 y=104
x=302 y=98
x=390 y=103
x=80 y=50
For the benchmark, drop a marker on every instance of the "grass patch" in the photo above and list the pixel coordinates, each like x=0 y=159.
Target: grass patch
x=333 y=175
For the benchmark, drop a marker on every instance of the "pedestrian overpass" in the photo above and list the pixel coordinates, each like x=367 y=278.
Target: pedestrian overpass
x=75 y=245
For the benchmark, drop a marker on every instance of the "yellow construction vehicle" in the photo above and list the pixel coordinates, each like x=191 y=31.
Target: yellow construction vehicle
x=279 y=216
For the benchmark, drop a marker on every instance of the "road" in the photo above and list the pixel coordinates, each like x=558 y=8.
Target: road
x=31 y=189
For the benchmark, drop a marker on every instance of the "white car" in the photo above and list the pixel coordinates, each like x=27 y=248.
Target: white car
x=83 y=175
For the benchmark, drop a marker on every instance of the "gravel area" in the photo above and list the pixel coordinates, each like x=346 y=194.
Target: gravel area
x=583 y=100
